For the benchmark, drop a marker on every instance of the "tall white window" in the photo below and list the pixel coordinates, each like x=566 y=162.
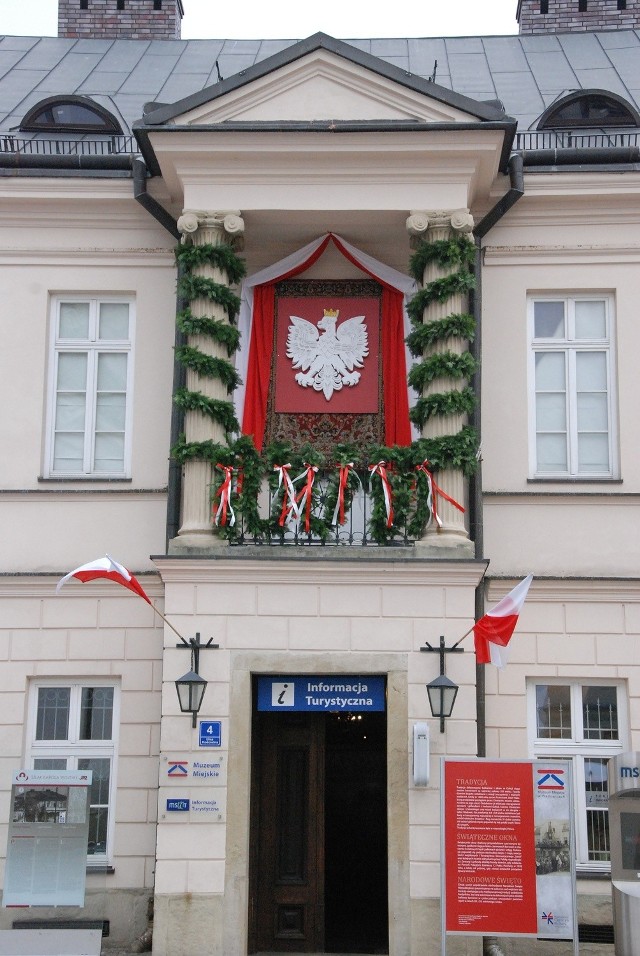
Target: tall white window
x=73 y=726
x=585 y=723
x=90 y=398
x=572 y=372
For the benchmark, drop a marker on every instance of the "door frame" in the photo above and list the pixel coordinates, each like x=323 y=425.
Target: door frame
x=244 y=666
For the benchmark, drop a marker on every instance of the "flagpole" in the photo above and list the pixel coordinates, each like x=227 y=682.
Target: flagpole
x=160 y=614
x=463 y=636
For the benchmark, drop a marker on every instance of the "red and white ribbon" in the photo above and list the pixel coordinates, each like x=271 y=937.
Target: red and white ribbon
x=339 y=516
x=381 y=470
x=304 y=498
x=289 y=510
x=224 y=509
x=434 y=491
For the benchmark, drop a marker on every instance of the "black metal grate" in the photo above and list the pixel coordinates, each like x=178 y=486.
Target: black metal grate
x=595 y=933
x=102 y=924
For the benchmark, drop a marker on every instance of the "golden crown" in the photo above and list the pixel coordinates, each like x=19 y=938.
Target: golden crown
x=332 y=313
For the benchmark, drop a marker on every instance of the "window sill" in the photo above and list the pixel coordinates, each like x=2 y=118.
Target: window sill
x=68 y=478
x=573 y=480
x=100 y=868
x=596 y=875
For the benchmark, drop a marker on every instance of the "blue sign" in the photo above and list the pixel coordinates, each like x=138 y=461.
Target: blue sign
x=323 y=694
x=210 y=733
x=177 y=804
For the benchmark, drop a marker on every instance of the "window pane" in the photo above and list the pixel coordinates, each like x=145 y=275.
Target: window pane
x=548 y=320
x=68 y=452
x=72 y=371
x=50 y=763
x=593 y=453
x=109 y=453
x=112 y=371
x=98 y=801
x=74 y=320
x=553 y=711
x=70 y=411
x=600 y=713
x=591 y=371
x=551 y=453
x=593 y=411
x=551 y=412
x=52 y=721
x=550 y=371
x=591 y=319
x=110 y=411
x=113 y=322
x=96 y=713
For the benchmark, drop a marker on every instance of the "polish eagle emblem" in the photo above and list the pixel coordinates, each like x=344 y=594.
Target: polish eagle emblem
x=327 y=360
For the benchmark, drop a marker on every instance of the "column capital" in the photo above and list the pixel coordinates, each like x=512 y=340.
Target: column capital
x=229 y=225
x=420 y=221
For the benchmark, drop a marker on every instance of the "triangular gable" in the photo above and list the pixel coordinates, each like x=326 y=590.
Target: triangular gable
x=322 y=78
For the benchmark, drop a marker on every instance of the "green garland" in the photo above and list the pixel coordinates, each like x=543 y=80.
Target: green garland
x=446 y=253
x=227 y=335
x=457 y=325
x=250 y=469
x=441 y=365
x=442 y=403
x=190 y=287
x=221 y=257
x=213 y=408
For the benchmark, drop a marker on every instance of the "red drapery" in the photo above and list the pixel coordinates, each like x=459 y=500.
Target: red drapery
x=396 y=399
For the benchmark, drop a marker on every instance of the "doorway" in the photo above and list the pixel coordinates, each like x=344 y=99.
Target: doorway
x=318 y=848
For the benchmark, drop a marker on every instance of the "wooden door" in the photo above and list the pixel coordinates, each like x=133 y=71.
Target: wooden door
x=288 y=834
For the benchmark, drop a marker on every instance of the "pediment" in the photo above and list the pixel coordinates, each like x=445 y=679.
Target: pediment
x=321 y=79
x=322 y=86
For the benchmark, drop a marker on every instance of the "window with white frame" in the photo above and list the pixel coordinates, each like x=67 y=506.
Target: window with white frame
x=90 y=396
x=572 y=374
x=73 y=726
x=583 y=722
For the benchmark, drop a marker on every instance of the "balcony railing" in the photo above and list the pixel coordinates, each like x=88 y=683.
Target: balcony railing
x=126 y=145
x=567 y=139
x=355 y=532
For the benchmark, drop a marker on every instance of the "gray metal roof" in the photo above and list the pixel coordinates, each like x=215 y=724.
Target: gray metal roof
x=527 y=73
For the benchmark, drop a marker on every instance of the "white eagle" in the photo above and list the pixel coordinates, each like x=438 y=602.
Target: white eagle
x=328 y=360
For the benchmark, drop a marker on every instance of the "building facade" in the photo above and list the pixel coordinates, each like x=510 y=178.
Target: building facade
x=183 y=225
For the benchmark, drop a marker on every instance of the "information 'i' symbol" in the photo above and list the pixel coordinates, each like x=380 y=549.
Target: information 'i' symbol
x=282 y=694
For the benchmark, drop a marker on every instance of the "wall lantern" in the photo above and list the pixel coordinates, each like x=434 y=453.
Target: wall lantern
x=442 y=692
x=191 y=686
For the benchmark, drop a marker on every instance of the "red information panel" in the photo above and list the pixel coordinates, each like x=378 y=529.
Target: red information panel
x=328 y=354
x=489 y=841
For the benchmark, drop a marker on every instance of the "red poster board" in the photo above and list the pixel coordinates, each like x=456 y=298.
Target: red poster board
x=359 y=398
x=489 y=848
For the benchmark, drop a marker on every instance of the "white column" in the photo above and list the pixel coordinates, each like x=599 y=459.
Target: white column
x=196 y=531
x=431 y=226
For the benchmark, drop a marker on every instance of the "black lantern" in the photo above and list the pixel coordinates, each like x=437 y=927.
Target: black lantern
x=442 y=692
x=191 y=686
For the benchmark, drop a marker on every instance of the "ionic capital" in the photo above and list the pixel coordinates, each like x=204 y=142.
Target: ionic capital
x=420 y=222
x=200 y=225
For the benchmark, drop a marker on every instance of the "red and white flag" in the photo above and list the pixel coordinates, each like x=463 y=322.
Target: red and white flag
x=492 y=632
x=106 y=568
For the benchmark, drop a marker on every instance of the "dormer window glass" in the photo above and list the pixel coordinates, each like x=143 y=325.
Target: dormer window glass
x=70 y=114
x=587 y=109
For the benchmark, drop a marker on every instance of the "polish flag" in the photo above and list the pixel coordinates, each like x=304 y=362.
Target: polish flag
x=106 y=568
x=492 y=632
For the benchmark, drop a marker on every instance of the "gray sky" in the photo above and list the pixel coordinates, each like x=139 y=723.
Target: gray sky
x=286 y=19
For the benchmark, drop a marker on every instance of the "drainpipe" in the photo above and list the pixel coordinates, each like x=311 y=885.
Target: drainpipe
x=174 y=480
x=490 y=944
x=510 y=198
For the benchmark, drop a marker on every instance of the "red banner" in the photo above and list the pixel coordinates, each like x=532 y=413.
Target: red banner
x=305 y=342
x=490 y=854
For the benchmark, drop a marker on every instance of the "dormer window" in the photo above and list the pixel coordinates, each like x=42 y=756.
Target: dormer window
x=589 y=108
x=69 y=114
